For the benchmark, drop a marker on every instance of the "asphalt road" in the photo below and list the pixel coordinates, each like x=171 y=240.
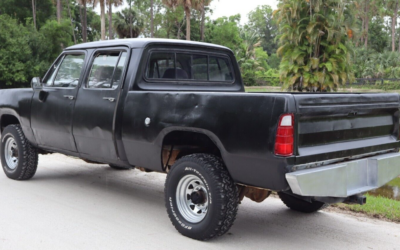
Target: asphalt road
x=70 y=204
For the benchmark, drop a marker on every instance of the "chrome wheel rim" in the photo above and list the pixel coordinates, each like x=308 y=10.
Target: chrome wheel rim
x=192 y=198
x=11 y=153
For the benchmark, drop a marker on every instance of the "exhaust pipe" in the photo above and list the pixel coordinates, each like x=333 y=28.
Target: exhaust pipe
x=356 y=199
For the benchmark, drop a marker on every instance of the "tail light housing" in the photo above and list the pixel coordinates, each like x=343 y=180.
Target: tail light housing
x=285 y=135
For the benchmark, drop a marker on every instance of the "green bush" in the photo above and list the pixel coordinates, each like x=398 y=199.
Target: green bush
x=15 y=52
x=26 y=53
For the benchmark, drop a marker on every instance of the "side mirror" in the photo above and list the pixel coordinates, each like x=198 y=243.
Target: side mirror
x=36 y=83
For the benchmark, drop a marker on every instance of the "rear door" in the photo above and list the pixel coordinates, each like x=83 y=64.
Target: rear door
x=93 y=125
x=52 y=106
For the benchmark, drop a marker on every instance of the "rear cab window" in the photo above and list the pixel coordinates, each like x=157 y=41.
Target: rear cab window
x=186 y=66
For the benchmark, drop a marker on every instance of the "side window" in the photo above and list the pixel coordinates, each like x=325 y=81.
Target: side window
x=101 y=73
x=191 y=66
x=66 y=72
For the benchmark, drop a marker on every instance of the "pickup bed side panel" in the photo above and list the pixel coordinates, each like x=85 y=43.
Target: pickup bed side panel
x=242 y=125
x=17 y=102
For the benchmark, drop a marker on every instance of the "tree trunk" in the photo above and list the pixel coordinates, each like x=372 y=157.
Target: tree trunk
x=394 y=19
x=366 y=23
x=84 y=22
x=399 y=44
x=110 y=32
x=70 y=18
x=152 y=18
x=34 y=12
x=179 y=30
x=362 y=31
x=203 y=17
x=103 y=20
x=130 y=17
x=187 y=24
x=59 y=11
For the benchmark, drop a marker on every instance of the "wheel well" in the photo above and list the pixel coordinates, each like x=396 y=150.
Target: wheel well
x=8 y=120
x=180 y=143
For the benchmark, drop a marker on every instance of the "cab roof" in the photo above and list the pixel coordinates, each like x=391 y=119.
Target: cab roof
x=141 y=43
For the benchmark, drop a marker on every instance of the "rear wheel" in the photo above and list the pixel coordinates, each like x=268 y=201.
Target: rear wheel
x=301 y=205
x=18 y=157
x=200 y=196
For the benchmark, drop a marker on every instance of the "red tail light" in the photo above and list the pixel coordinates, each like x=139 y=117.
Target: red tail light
x=284 y=135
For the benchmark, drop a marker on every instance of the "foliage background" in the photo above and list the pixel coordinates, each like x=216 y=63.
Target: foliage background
x=374 y=48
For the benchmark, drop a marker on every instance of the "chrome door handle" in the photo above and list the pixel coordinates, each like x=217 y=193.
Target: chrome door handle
x=111 y=99
x=69 y=97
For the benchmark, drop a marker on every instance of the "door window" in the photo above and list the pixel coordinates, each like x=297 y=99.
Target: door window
x=106 y=70
x=66 y=71
x=119 y=70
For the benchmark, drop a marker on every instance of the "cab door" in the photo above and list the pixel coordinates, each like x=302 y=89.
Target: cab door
x=53 y=105
x=93 y=125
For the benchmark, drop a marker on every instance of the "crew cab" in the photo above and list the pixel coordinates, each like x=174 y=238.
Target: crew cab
x=180 y=108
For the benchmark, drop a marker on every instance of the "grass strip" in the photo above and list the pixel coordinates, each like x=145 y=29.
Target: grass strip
x=395 y=182
x=378 y=207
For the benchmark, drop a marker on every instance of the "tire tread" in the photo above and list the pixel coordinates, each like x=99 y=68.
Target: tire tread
x=227 y=190
x=28 y=153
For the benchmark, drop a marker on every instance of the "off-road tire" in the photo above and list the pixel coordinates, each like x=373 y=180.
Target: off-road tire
x=27 y=154
x=301 y=205
x=118 y=167
x=222 y=194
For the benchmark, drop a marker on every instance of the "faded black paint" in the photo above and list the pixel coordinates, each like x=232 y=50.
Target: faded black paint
x=242 y=125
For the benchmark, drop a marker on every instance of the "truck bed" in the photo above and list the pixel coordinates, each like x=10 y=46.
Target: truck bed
x=328 y=127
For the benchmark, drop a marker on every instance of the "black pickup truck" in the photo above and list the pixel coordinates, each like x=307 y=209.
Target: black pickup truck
x=180 y=108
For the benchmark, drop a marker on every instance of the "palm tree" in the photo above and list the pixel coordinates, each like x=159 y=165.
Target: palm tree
x=315 y=43
x=102 y=17
x=251 y=40
x=203 y=4
x=127 y=24
x=393 y=5
x=130 y=18
x=59 y=10
x=83 y=4
x=188 y=5
x=70 y=18
x=34 y=12
x=110 y=3
x=152 y=18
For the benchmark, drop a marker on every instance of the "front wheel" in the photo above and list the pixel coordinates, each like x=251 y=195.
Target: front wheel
x=301 y=205
x=200 y=196
x=18 y=157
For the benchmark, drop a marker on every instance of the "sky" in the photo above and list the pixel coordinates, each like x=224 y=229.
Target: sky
x=230 y=7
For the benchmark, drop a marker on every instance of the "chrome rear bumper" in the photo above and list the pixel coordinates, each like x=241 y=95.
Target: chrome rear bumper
x=346 y=178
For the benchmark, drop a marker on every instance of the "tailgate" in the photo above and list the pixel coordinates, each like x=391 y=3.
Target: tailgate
x=332 y=126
